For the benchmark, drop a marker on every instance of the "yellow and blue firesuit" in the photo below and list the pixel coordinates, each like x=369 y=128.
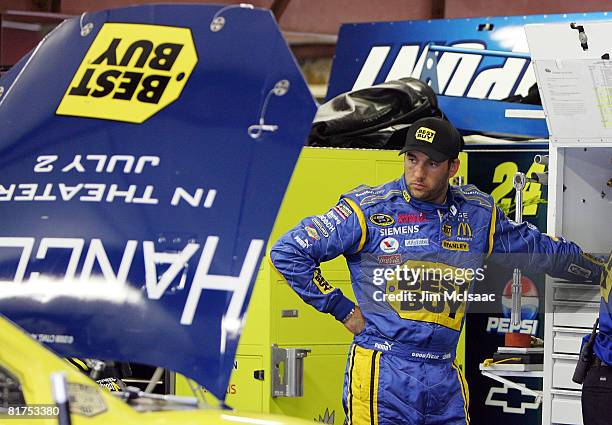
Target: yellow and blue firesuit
x=401 y=366
x=603 y=342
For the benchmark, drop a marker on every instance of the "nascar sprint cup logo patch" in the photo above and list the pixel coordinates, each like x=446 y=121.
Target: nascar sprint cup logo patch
x=130 y=72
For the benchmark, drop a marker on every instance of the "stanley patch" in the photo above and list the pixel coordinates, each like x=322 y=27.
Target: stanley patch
x=425 y=134
x=382 y=219
x=455 y=246
x=130 y=72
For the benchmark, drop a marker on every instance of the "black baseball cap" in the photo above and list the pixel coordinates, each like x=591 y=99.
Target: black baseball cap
x=435 y=137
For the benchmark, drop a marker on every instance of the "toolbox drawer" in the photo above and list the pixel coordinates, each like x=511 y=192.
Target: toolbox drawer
x=568 y=340
x=576 y=292
x=574 y=315
x=566 y=408
x=563 y=370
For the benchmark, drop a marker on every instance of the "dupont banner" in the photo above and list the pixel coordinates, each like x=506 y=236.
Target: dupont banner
x=375 y=52
x=136 y=192
x=491 y=401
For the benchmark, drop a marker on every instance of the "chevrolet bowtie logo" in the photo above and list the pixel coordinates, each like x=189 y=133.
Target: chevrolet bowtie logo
x=509 y=407
x=464 y=230
x=327 y=418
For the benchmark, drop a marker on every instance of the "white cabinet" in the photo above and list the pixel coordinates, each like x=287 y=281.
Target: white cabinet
x=574 y=88
x=577 y=211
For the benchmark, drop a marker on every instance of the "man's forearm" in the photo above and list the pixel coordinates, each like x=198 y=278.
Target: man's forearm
x=356 y=322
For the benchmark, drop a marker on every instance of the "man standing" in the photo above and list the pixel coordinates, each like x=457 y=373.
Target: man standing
x=413 y=247
x=597 y=384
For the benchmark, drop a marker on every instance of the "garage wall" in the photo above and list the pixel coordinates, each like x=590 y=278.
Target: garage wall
x=325 y=16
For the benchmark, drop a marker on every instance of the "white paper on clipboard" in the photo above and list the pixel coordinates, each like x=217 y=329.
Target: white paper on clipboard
x=577 y=97
x=575 y=84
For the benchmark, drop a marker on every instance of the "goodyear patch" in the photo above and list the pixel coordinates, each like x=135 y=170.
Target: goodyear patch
x=324 y=286
x=456 y=246
x=382 y=219
x=130 y=72
x=425 y=134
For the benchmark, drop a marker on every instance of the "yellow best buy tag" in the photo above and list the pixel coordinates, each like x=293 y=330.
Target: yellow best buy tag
x=425 y=134
x=130 y=72
x=324 y=286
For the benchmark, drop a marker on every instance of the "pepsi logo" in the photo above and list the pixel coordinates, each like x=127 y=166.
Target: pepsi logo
x=530 y=302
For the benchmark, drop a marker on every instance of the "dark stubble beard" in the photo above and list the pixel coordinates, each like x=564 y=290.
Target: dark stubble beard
x=438 y=191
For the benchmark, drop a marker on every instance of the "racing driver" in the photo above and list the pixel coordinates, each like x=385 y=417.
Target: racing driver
x=401 y=364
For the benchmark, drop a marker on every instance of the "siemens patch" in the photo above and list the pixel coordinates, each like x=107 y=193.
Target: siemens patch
x=130 y=72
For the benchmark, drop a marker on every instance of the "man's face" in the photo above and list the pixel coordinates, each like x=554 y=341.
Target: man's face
x=426 y=178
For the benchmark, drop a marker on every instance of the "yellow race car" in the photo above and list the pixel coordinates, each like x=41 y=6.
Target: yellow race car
x=26 y=394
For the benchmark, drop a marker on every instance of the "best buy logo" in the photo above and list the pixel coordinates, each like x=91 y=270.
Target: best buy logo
x=425 y=134
x=131 y=72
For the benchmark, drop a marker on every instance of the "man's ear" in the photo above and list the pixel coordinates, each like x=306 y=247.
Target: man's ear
x=453 y=167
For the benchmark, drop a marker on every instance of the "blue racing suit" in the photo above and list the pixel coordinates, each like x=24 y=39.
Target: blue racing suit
x=410 y=265
x=603 y=342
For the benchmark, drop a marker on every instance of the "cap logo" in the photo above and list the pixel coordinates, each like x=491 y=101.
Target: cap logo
x=425 y=134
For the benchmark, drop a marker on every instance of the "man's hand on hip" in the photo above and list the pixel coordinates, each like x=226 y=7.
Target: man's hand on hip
x=606 y=278
x=356 y=322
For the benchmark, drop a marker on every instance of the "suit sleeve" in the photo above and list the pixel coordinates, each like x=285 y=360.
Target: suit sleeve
x=298 y=254
x=537 y=252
